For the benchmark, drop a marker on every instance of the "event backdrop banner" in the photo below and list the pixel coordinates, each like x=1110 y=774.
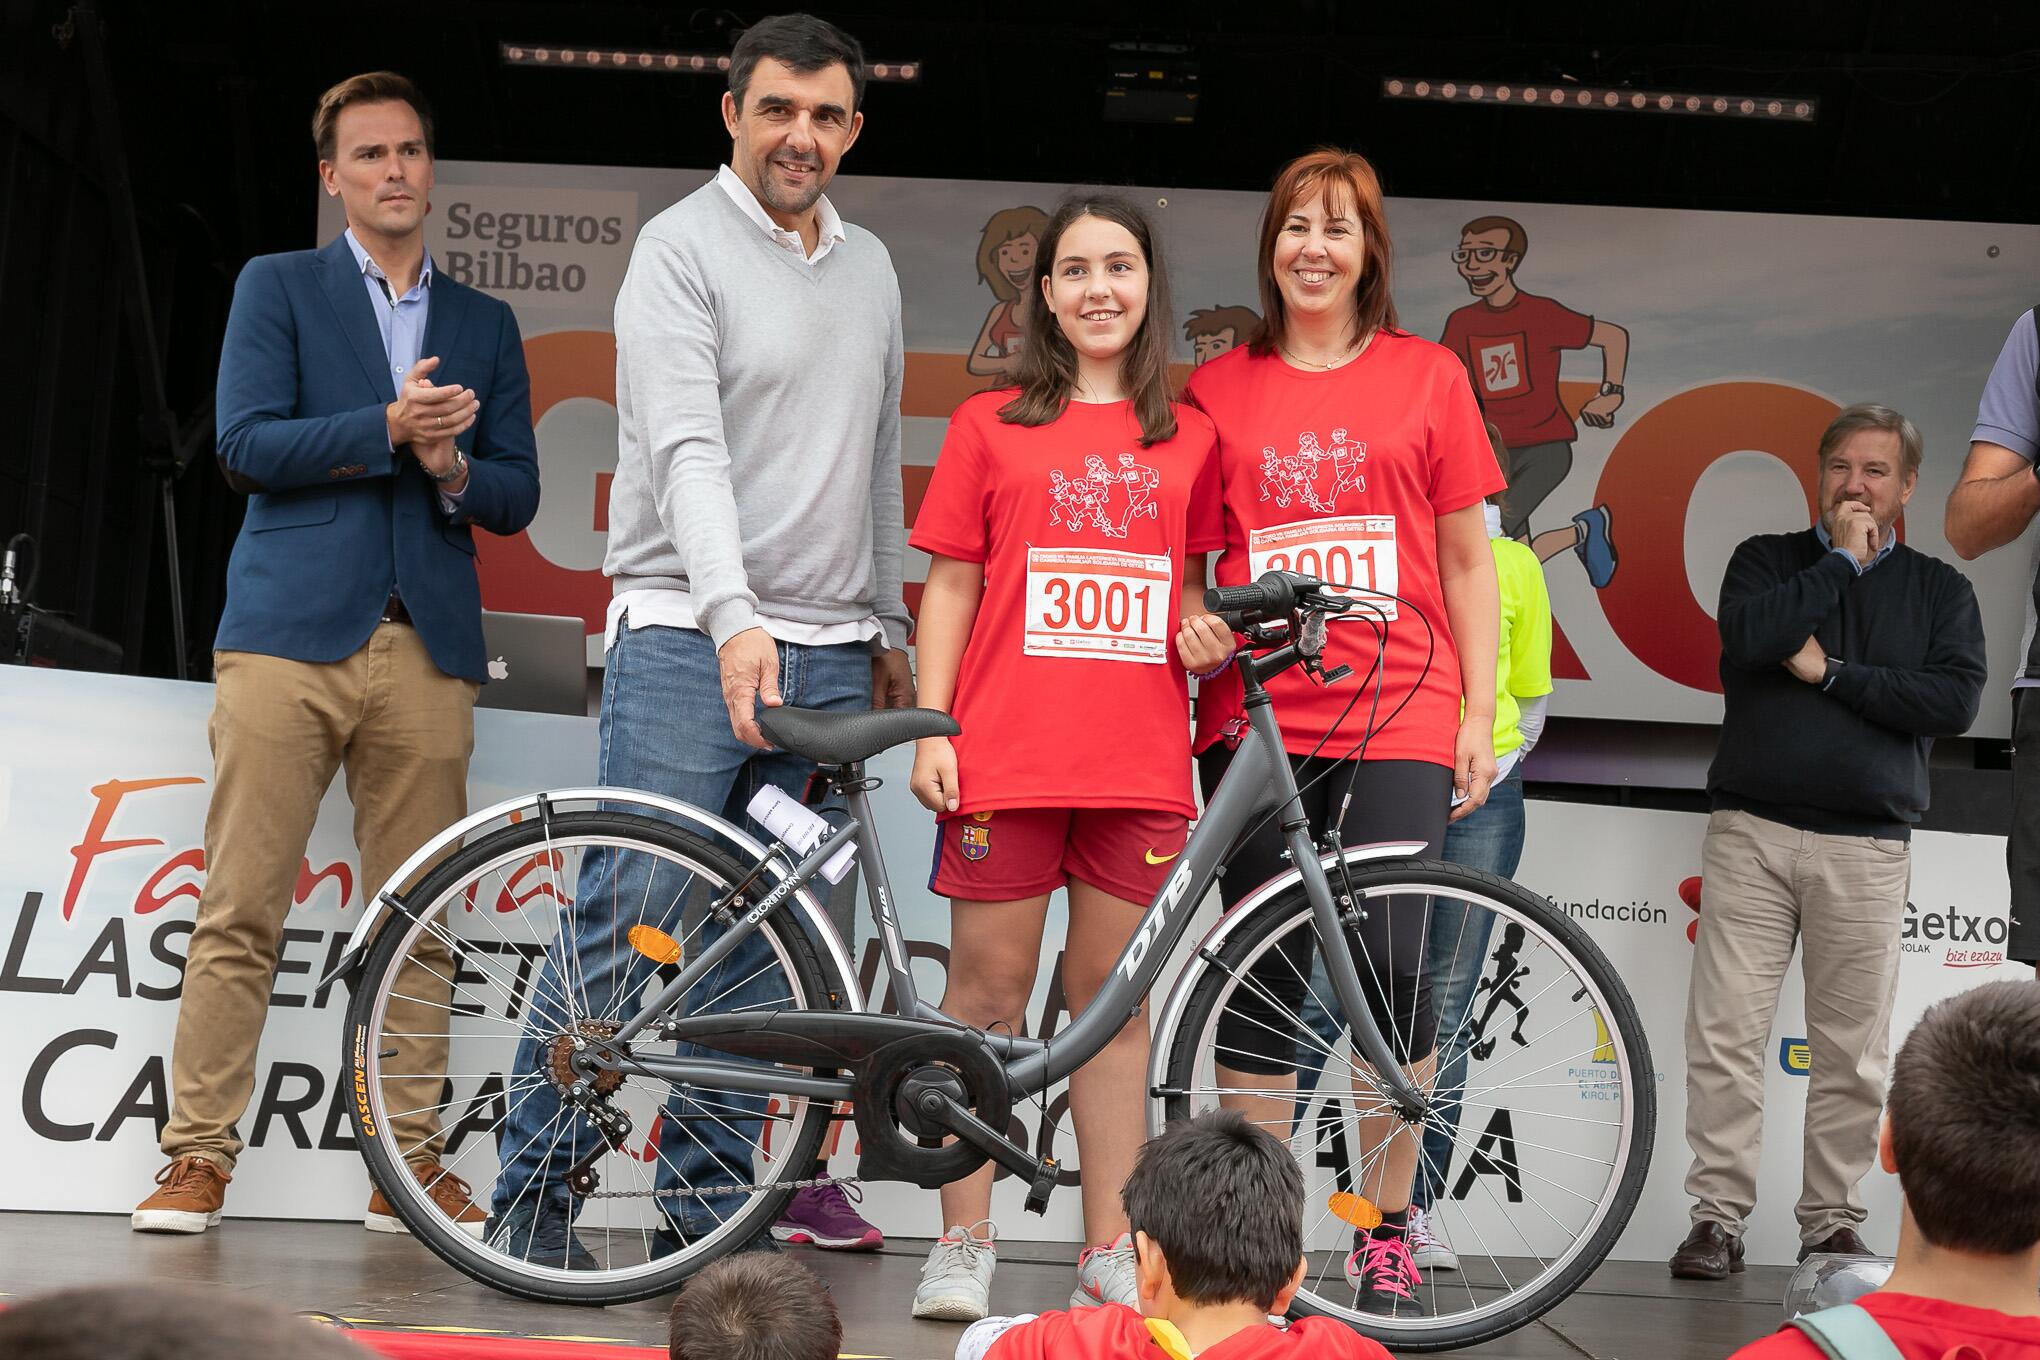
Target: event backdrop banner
x=1744 y=333
x=103 y=788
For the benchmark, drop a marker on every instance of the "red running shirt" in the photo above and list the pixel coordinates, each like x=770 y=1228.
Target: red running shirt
x=1070 y=693
x=1922 y=1329
x=1511 y=353
x=1116 y=1332
x=1343 y=475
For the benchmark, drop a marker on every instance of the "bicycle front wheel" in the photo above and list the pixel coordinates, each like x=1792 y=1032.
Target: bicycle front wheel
x=485 y=1141
x=1543 y=1100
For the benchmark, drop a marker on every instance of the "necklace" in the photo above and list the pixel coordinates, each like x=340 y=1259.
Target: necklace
x=1326 y=367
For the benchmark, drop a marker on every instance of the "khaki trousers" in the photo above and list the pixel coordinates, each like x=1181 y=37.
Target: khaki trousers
x=404 y=730
x=1763 y=885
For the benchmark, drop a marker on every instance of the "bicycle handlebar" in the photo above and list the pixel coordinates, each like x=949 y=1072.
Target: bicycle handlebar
x=1275 y=595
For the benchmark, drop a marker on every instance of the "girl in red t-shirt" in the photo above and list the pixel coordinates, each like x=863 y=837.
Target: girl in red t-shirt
x=1352 y=450
x=1060 y=519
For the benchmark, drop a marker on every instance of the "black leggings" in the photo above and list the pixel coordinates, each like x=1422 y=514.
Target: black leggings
x=1393 y=800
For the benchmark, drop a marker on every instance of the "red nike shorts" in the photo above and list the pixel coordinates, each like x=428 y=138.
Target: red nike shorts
x=1014 y=853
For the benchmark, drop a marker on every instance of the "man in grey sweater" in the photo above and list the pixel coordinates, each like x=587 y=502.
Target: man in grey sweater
x=755 y=536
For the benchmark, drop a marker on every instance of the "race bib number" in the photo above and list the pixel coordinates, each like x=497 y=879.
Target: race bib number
x=1091 y=602
x=1353 y=552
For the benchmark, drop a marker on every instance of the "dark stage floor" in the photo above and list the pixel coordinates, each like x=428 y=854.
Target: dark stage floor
x=1628 y=1310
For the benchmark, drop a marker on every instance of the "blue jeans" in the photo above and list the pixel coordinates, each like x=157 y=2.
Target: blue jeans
x=1490 y=839
x=665 y=729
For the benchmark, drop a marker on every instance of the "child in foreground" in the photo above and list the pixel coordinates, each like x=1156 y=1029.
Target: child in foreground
x=1962 y=1130
x=755 y=1306
x=1216 y=1207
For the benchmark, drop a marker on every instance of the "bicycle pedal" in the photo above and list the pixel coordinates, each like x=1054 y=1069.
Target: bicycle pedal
x=1045 y=1178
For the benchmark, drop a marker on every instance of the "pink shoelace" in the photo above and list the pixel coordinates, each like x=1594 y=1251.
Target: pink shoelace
x=1386 y=1264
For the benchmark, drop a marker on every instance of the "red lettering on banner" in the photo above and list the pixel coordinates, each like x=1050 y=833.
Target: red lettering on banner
x=1648 y=485
x=95 y=843
x=151 y=899
x=308 y=882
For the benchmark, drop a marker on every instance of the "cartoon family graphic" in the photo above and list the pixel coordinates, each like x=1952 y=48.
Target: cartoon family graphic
x=1213 y=331
x=1005 y=264
x=1105 y=499
x=1510 y=342
x=1304 y=476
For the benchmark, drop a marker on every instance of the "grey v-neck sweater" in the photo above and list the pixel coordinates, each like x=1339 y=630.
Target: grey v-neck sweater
x=758 y=439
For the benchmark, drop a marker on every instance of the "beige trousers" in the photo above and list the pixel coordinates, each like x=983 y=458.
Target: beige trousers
x=404 y=730
x=1763 y=886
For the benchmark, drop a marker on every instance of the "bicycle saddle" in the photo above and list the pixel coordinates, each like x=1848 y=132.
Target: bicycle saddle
x=845 y=737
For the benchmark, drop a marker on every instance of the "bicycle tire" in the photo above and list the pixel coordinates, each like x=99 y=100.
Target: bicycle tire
x=1569 y=942
x=361 y=1057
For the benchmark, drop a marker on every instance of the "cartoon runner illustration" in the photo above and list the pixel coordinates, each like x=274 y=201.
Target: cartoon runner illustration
x=1005 y=264
x=1140 y=481
x=1501 y=990
x=1212 y=331
x=1510 y=342
x=1346 y=460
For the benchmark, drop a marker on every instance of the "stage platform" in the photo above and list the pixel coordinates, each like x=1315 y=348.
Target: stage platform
x=382 y=1281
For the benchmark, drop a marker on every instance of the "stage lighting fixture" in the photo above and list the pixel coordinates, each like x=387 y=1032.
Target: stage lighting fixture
x=658 y=61
x=1151 y=83
x=1601 y=99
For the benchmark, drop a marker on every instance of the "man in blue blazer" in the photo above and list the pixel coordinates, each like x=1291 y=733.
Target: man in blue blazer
x=374 y=411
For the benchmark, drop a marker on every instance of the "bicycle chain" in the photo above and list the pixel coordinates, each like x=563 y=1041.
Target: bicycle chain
x=721 y=1189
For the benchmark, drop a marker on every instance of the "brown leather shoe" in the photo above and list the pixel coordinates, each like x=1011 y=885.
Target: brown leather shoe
x=452 y=1194
x=1708 y=1253
x=1840 y=1242
x=192 y=1191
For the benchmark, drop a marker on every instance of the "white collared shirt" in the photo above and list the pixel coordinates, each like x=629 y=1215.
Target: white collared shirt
x=828 y=226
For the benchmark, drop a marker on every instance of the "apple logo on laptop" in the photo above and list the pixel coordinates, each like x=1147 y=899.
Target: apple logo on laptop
x=499 y=669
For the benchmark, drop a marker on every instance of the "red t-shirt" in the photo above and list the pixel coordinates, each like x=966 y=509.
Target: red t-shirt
x=1922 y=1329
x=1512 y=355
x=1116 y=1332
x=1070 y=693
x=1343 y=475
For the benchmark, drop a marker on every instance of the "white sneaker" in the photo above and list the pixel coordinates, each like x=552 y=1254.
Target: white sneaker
x=956 y=1283
x=1105 y=1275
x=1428 y=1246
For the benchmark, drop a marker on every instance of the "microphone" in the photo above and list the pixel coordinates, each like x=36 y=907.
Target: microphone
x=9 y=596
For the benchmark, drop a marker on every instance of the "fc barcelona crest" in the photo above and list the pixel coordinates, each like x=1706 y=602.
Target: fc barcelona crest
x=977 y=841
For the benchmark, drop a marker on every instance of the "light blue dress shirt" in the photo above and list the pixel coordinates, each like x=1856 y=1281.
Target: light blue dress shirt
x=401 y=323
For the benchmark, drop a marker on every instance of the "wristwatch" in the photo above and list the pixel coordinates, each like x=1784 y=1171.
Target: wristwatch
x=1609 y=389
x=1834 y=668
x=452 y=474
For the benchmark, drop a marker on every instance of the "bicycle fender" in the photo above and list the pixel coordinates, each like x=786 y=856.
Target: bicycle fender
x=1186 y=982
x=391 y=894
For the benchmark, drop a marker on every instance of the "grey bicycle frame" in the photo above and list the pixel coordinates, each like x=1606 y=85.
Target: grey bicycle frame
x=1258 y=780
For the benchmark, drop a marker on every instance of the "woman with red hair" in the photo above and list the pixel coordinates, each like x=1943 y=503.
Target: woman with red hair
x=1351 y=450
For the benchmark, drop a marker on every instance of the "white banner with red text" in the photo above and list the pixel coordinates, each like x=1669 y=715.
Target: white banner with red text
x=103 y=787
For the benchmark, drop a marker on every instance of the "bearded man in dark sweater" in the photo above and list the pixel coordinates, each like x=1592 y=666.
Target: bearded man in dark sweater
x=1844 y=653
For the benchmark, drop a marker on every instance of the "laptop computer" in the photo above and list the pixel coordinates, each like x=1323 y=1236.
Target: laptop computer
x=538 y=663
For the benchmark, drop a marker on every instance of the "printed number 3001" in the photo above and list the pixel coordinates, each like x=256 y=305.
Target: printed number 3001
x=1087 y=604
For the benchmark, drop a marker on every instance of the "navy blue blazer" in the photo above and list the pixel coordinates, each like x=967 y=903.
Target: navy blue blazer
x=336 y=519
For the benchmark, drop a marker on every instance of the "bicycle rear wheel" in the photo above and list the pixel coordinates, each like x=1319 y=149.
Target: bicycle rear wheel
x=1550 y=1131
x=517 y=955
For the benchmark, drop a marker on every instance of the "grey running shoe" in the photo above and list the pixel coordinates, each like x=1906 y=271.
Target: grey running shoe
x=1105 y=1275
x=956 y=1284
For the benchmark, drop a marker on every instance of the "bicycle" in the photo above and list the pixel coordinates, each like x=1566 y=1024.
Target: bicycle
x=637 y=1069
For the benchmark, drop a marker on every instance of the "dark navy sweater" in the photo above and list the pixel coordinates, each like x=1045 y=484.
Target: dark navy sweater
x=1850 y=759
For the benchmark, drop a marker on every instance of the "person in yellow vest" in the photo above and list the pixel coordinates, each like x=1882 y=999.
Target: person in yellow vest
x=1490 y=839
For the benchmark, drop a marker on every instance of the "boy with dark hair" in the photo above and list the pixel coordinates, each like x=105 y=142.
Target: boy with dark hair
x=755 y=1307
x=1962 y=1132
x=177 y=1321
x=1216 y=1207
